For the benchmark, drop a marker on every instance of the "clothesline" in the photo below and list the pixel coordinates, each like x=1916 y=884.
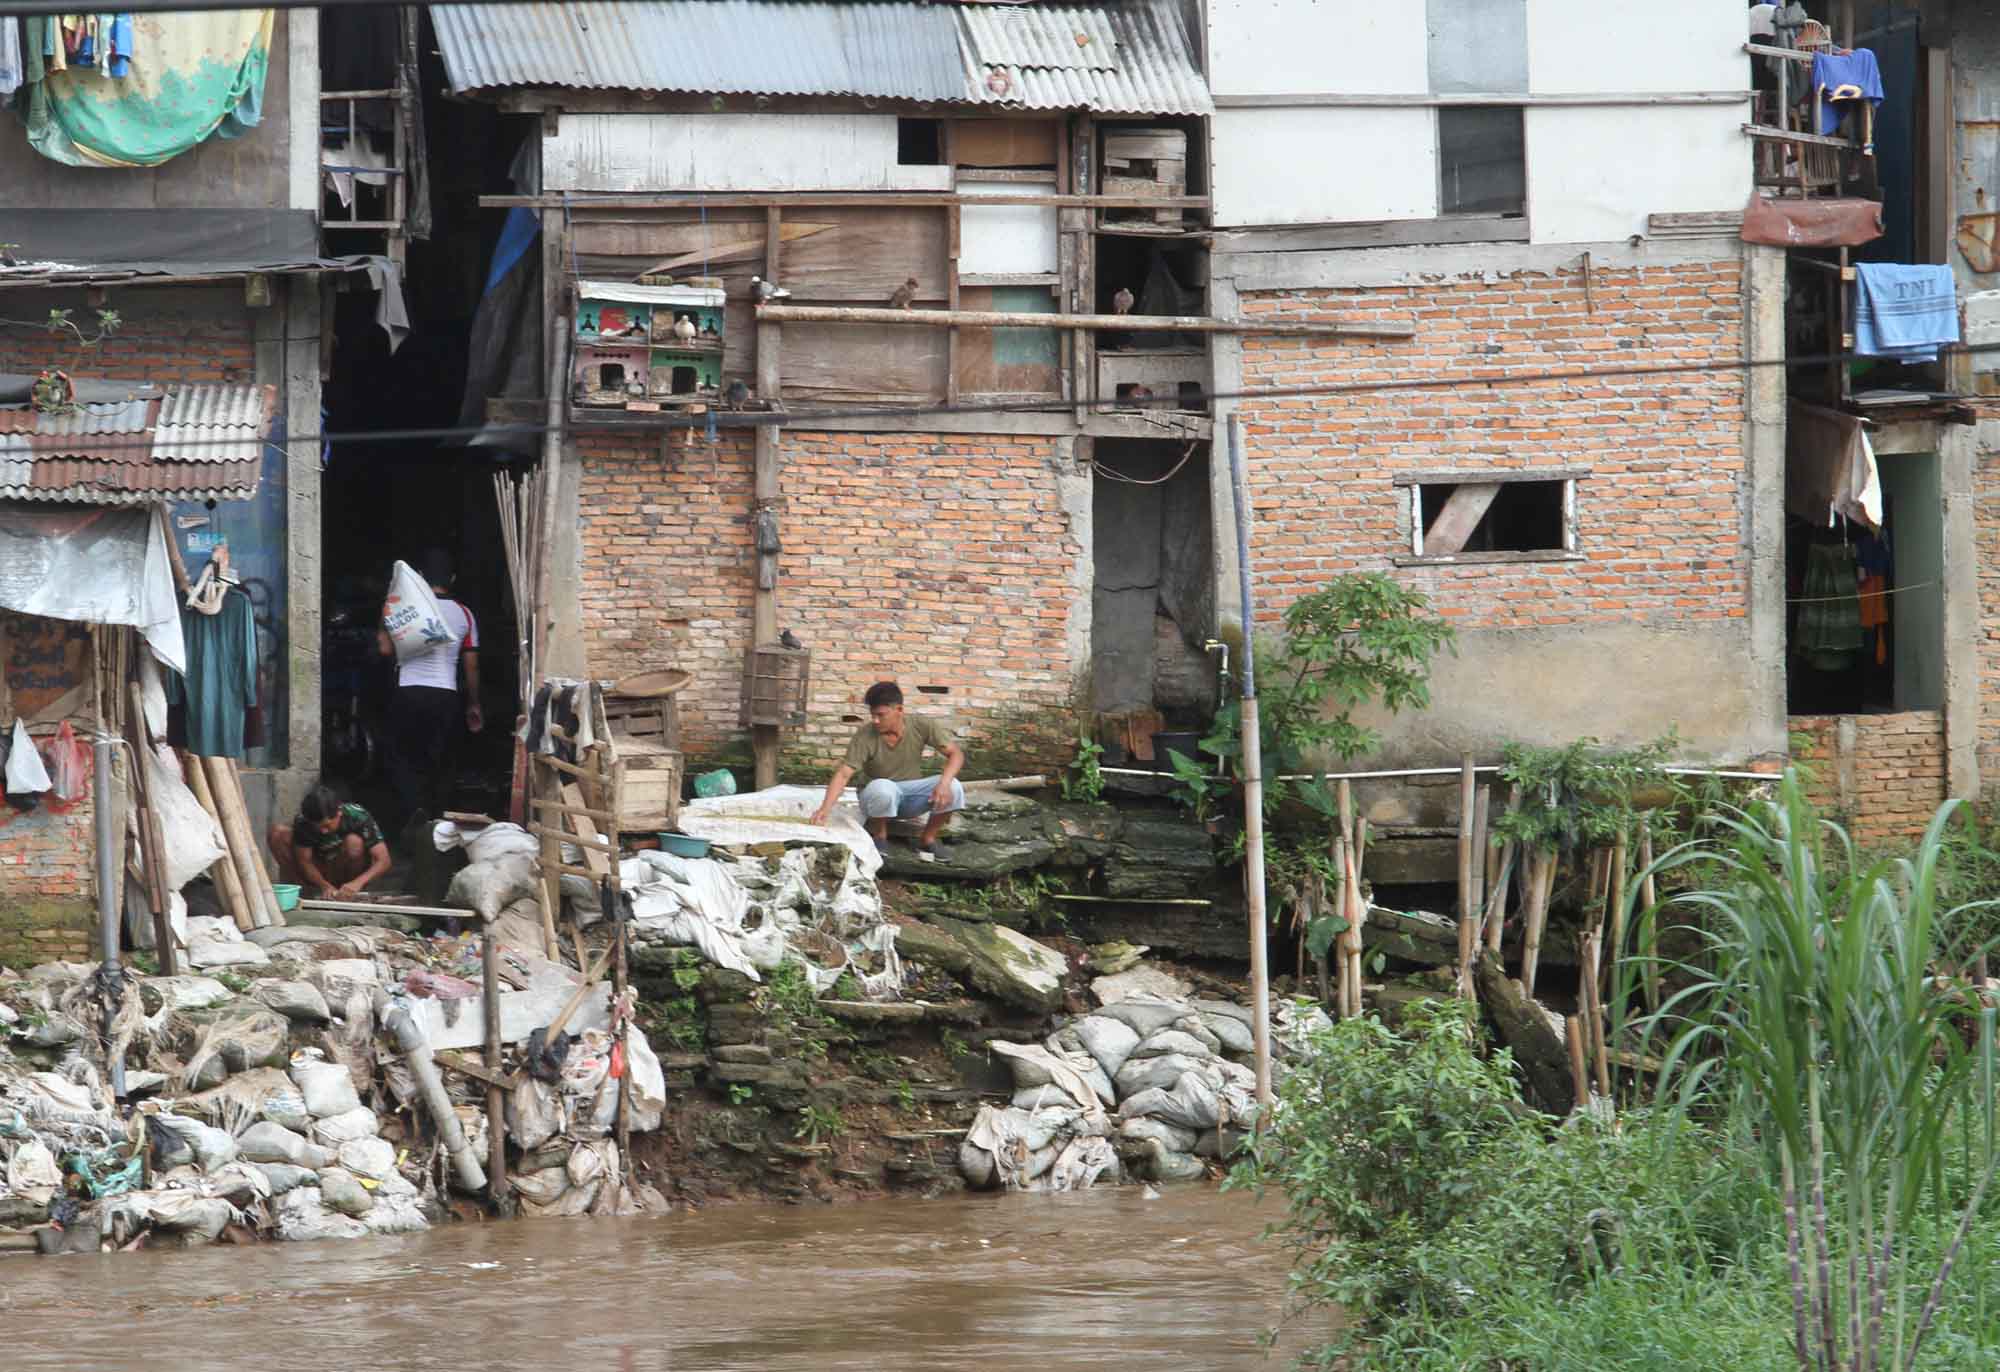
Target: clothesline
x=1834 y=599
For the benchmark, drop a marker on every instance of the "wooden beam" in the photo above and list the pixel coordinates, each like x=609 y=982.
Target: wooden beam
x=853 y=201
x=767 y=463
x=1461 y=514
x=1427 y=100
x=1115 y=323
x=1385 y=233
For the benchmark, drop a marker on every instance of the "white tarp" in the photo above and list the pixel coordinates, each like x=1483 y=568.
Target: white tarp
x=781 y=814
x=94 y=566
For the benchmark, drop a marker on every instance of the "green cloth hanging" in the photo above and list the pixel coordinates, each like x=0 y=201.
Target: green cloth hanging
x=1829 y=635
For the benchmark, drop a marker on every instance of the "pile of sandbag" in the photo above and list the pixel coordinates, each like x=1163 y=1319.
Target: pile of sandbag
x=1168 y=1079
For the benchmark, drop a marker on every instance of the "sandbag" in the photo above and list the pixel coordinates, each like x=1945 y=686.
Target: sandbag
x=303 y=1216
x=490 y=887
x=412 y=616
x=1143 y=1074
x=32 y=1172
x=1109 y=1040
x=485 y=844
x=347 y=1126
x=1171 y=1041
x=1142 y=1014
x=534 y=1113
x=1163 y=1164
x=1138 y=1131
x=1192 y=1103
x=267 y=1142
x=341 y=1191
x=328 y=1088
x=369 y=1158
x=543 y=1187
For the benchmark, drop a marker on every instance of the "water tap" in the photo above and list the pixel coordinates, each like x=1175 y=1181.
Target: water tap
x=1215 y=645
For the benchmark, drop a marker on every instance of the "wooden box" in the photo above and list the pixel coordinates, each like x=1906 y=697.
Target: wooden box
x=775 y=682
x=1144 y=162
x=645 y=733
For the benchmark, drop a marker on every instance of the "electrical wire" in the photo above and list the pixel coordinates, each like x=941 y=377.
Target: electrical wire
x=1106 y=472
x=753 y=419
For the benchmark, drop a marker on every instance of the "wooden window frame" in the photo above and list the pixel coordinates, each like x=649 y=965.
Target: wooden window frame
x=1409 y=490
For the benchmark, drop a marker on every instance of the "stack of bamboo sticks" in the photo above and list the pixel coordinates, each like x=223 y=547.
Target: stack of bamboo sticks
x=240 y=877
x=522 y=535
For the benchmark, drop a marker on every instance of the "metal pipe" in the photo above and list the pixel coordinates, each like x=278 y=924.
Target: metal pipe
x=1253 y=787
x=108 y=902
x=416 y=1051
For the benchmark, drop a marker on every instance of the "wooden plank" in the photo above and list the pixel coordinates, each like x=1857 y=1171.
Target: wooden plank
x=593 y=848
x=352 y=907
x=734 y=248
x=1459 y=517
x=1124 y=323
x=1817 y=140
x=1390 y=233
x=853 y=200
x=558 y=807
x=1289 y=100
x=587 y=835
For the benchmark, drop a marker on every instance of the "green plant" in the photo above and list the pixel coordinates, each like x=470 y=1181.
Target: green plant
x=1362 y=639
x=906 y=1097
x=1084 y=778
x=954 y=1044
x=792 y=1009
x=1822 y=1016
x=818 y=1122
x=1579 y=795
x=740 y=1093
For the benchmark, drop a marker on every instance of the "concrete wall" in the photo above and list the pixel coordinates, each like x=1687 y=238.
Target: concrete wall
x=1326 y=108
x=939 y=561
x=730 y=152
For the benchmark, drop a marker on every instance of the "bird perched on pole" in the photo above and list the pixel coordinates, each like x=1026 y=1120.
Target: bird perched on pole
x=1122 y=302
x=764 y=292
x=905 y=293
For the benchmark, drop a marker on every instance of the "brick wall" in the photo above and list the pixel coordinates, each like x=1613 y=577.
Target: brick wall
x=1660 y=518
x=930 y=560
x=166 y=334
x=48 y=885
x=1888 y=784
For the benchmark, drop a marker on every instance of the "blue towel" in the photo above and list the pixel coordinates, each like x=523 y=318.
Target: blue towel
x=1904 y=312
x=1854 y=76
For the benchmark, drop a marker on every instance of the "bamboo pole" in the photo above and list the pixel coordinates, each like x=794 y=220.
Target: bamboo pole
x=1496 y=900
x=1616 y=902
x=1253 y=776
x=1593 y=1007
x=1649 y=950
x=273 y=915
x=1338 y=948
x=238 y=838
x=1466 y=793
x=496 y=1111
x=228 y=885
x=1535 y=913
x=1579 y=1078
x=1115 y=323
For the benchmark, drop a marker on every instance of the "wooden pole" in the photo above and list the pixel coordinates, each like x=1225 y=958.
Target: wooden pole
x=248 y=870
x=1253 y=783
x=1337 y=950
x=1116 y=323
x=1616 y=900
x=1496 y=898
x=1579 y=1077
x=1649 y=949
x=1466 y=905
x=496 y=1107
x=272 y=914
x=228 y=885
x=1535 y=913
x=765 y=480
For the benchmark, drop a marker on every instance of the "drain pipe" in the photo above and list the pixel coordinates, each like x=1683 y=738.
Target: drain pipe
x=415 y=1047
x=112 y=980
x=1253 y=788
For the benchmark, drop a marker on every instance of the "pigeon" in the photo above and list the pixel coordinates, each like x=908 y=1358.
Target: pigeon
x=905 y=293
x=1121 y=303
x=788 y=639
x=767 y=291
x=684 y=329
x=739 y=394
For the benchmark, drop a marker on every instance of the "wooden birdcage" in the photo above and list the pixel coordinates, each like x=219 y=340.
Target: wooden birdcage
x=775 y=682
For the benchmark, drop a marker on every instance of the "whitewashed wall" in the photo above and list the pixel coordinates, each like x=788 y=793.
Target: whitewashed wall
x=1594 y=172
x=1012 y=240
x=730 y=152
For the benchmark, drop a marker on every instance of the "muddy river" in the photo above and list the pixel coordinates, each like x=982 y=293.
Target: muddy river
x=1100 y=1279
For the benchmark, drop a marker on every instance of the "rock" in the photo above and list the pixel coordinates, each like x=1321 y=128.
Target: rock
x=1145 y=1074
x=1143 y=1014
x=996 y=834
x=20 y=1212
x=1171 y=1041
x=211 y=953
x=776 y=1076
x=1159 y=858
x=268 y=1142
x=1009 y=965
x=292 y=999
x=284 y=1177
x=1538 y=1049
x=182 y=993
x=1140 y=981
x=342 y=1192
x=1109 y=1041
x=347 y=1126
x=376 y=920
x=370 y=1158
x=55 y=1031
x=743 y=1052
x=932 y=947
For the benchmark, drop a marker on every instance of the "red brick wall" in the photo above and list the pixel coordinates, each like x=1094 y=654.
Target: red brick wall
x=166 y=334
x=927 y=559
x=1894 y=781
x=1661 y=522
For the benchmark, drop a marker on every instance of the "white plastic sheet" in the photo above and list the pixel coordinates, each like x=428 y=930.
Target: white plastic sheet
x=93 y=566
x=781 y=814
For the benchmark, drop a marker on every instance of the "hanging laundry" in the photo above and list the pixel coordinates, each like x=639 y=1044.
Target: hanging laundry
x=1904 y=312
x=10 y=58
x=1830 y=467
x=1829 y=635
x=1840 y=78
x=1873 y=560
x=220 y=686
x=203 y=75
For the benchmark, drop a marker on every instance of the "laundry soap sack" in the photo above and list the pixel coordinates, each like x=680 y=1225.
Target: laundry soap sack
x=412 y=615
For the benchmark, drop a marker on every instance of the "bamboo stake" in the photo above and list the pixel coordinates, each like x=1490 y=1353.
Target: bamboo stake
x=1579 y=1079
x=228 y=884
x=273 y=915
x=1593 y=1009
x=1357 y=904
x=496 y=1112
x=234 y=840
x=1496 y=901
x=1535 y=913
x=1612 y=950
x=1649 y=950
x=1466 y=904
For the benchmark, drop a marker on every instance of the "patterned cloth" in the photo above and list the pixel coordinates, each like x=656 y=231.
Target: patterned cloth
x=353 y=820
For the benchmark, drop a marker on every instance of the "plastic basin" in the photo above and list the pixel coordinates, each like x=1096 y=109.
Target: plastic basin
x=288 y=897
x=684 y=845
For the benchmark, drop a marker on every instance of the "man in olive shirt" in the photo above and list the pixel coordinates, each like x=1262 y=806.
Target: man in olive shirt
x=888 y=755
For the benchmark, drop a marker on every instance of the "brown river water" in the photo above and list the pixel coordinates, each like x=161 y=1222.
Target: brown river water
x=1098 y=1279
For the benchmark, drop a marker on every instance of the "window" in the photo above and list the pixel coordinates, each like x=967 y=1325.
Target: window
x=919 y=142
x=1474 y=517
x=1482 y=160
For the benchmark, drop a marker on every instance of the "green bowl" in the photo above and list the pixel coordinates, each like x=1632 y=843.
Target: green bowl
x=684 y=845
x=288 y=897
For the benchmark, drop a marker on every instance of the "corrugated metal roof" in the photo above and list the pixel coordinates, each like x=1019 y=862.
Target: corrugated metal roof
x=107 y=454
x=749 y=47
x=1128 y=57
x=1152 y=72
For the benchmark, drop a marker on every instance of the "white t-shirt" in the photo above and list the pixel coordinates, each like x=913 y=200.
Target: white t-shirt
x=439 y=666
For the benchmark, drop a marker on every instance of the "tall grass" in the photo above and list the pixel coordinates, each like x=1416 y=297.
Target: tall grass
x=1824 y=1017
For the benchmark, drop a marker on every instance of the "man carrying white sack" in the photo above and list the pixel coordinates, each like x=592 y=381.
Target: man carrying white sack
x=888 y=755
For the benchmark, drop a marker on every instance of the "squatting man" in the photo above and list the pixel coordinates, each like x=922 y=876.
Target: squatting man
x=888 y=755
